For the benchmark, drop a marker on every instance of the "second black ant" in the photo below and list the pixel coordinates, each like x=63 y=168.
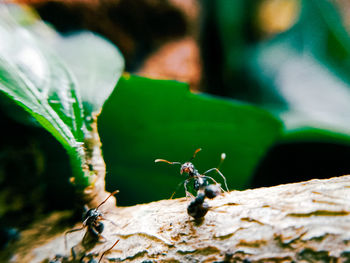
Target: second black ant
x=200 y=180
x=92 y=220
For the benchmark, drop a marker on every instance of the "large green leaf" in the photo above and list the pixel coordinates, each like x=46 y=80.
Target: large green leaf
x=146 y=119
x=34 y=76
x=35 y=79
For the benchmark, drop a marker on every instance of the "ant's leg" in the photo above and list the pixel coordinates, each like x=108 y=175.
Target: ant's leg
x=70 y=231
x=108 y=250
x=103 y=218
x=177 y=188
x=73 y=253
x=223 y=177
x=82 y=258
x=188 y=194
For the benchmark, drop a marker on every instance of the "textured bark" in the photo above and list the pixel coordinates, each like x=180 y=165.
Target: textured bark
x=301 y=222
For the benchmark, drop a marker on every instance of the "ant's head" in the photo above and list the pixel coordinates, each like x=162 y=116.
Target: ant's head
x=92 y=213
x=186 y=167
x=91 y=216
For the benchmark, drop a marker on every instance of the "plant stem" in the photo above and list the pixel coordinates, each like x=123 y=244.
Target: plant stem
x=95 y=193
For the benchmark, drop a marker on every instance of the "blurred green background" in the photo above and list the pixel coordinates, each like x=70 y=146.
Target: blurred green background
x=268 y=84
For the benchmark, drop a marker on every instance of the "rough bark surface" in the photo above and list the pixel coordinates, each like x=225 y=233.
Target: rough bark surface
x=301 y=222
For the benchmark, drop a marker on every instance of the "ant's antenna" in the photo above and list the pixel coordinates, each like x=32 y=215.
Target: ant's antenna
x=223 y=157
x=165 y=161
x=194 y=155
x=115 y=192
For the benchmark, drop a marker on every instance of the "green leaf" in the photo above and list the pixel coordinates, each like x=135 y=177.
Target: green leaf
x=96 y=64
x=148 y=119
x=37 y=79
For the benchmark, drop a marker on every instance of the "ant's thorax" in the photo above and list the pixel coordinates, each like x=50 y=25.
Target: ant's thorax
x=194 y=173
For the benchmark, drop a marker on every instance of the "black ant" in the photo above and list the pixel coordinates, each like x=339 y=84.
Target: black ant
x=91 y=220
x=200 y=180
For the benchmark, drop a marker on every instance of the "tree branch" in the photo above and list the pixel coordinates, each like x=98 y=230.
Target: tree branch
x=308 y=221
